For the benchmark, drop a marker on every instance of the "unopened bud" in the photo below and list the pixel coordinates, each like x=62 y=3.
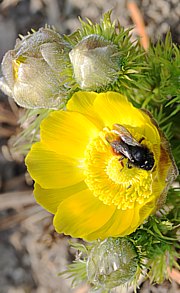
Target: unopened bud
x=112 y=263
x=33 y=71
x=95 y=62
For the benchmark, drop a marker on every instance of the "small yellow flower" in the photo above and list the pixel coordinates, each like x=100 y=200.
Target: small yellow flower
x=81 y=177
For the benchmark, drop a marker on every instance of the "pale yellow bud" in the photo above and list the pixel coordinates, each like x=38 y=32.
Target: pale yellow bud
x=33 y=71
x=95 y=62
x=111 y=263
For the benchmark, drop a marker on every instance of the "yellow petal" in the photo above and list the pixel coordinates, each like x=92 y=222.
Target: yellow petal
x=116 y=226
x=146 y=210
x=67 y=133
x=52 y=170
x=83 y=102
x=123 y=223
x=51 y=198
x=150 y=129
x=80 y=214
x=141 y=212
x=114 y=108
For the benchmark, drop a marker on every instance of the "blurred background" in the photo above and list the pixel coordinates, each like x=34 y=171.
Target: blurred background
x=31 y=253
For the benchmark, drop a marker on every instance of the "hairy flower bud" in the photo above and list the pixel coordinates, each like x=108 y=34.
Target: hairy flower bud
x=33 y=71
x=95 y=62
x=111 y=263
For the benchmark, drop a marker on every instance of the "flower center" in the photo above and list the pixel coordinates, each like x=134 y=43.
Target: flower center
x=110 y=179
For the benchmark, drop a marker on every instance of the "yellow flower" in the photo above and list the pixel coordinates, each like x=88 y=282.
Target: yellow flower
x=82 y=179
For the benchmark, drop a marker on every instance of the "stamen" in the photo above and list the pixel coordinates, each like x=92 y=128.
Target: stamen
x=110 y=179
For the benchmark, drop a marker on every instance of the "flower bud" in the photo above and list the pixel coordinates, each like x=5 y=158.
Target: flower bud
x=95 y=62
x=111 y=263
x=33 y=71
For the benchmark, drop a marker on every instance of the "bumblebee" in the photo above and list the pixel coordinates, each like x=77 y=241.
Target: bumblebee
x=127 y=146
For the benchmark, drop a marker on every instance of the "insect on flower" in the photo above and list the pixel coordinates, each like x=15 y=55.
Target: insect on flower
x=127 y=146
x=90 y=192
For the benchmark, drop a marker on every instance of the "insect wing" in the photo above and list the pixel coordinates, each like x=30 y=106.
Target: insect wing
x=121 y=148
x=125 y=135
